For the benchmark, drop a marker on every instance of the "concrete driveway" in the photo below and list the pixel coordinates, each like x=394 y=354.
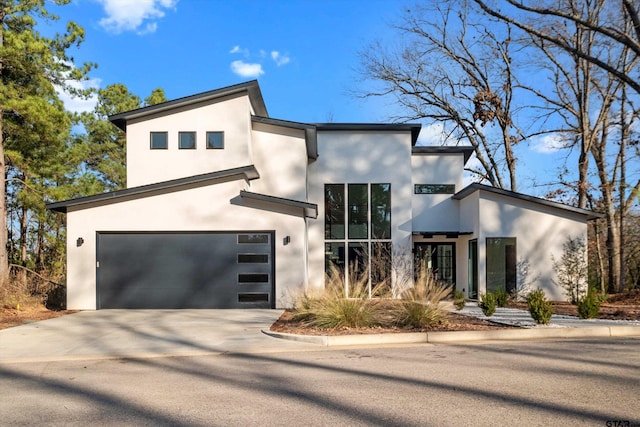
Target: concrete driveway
x=142 y=333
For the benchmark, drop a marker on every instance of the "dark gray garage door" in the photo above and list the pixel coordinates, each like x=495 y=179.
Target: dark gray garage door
x=185 y=270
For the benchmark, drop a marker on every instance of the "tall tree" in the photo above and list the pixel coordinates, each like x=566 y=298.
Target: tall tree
x=30 y=66
x=537 y=17
x=457 y=72
x=106 y=143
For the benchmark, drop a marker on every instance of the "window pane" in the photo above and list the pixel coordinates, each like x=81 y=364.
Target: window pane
x=501 y=264
x=334 y=211
x=158 y=140
x=186 y=140
x=253 y=258
x=215 y=140
x=253 y=238
x=380 y=211
x=381 y=268
x=253 y=278
x=358 y=211
x=334 y=257
x=253 y=297
x=434 y=189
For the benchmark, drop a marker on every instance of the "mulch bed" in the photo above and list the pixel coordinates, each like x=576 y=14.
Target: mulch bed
x=455 y=322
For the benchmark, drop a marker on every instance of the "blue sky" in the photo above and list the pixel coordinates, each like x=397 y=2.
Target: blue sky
x=304 y=54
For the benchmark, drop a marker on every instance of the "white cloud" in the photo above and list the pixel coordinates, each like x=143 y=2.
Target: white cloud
x=75 y=104
x=547 y=144
x=279 y=59
x=244 y=69
x=131 y=15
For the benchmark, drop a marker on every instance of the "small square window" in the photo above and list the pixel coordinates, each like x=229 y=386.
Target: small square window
x=186 y=140
x=159 y=140
x=215 y=140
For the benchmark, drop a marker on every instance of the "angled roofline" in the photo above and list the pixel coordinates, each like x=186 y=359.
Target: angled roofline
x=414 y=128
x=252 y=87
x=310 y=210
x=310 y=133
x=481 y=187
x=467 y=150
x=245 y=172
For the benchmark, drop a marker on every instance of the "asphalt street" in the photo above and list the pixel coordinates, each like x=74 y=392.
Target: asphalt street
x=525 y=383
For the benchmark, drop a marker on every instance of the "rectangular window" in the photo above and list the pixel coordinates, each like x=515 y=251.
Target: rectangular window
x=253 y=238
x=253 y=278
x=358 y=211
x=253 y=297
x=501 y=264
x=434 y=189
x=358 y=235
x=380 y=211
x=186 y=140
x=215 y=140
x=159 y=141
x=334 y=211
x=253 y=258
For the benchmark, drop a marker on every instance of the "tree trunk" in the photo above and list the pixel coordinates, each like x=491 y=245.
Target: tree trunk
x=4 y=256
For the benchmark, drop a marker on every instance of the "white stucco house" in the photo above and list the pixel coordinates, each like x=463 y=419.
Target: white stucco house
x=226 y=207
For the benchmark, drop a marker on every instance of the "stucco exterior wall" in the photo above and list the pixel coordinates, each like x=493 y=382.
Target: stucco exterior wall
x=540 y=232
x=211 y=208
x=356 y=158
x=231 y=115
x=436 y=212
x=280 y=156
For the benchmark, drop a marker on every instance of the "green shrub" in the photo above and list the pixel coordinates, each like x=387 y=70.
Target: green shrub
x=488 y=303
x=539 y=307
x=589 y=306
x=458 y=299
x=501 y=297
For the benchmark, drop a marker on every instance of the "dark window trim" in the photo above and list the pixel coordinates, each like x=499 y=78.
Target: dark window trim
x=166 y=134
x=195 y=140
x=207 y=140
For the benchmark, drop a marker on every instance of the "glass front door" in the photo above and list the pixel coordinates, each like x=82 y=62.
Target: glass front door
x=438 y=258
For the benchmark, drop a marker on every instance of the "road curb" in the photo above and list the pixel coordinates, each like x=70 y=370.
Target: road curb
x=460 y=336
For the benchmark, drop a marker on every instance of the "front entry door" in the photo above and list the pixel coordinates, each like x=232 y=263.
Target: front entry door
x=438 y=258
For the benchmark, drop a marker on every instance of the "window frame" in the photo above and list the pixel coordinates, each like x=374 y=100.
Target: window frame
x=166 y=140
x=434 y=188
x=341 y=247
x=209 y=147
x=195 y=140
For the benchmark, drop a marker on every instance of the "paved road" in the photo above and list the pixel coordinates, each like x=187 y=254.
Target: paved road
x=560 y=382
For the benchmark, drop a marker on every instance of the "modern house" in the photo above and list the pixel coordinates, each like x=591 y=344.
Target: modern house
x=226 y=207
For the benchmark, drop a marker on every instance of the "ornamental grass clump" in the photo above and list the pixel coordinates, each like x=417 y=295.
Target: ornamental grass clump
x=420 y=306
x=539 y=307
x=332 y=308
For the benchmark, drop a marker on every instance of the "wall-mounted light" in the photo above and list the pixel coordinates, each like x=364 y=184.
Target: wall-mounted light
x=286 y=240
x=79 y=242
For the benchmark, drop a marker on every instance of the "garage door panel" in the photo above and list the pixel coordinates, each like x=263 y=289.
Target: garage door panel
x=184 y=270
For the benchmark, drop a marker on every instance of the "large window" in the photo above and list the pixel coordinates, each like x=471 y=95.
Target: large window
x=358 y=232
x=438 y=258
x=501 y=264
